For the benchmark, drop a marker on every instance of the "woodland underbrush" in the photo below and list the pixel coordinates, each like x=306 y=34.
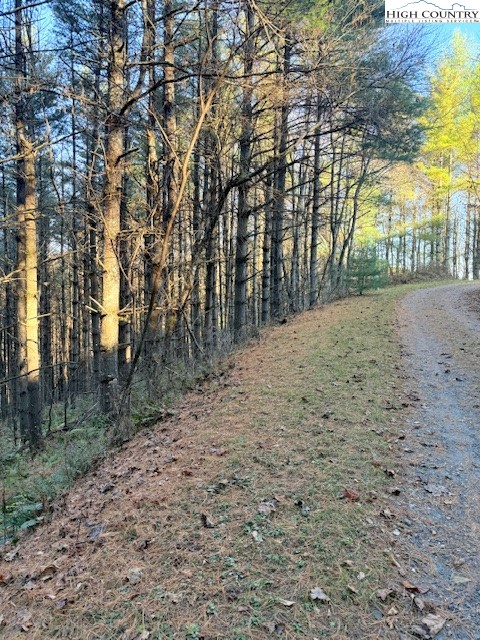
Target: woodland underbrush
x=431 y=273
x=78 y=438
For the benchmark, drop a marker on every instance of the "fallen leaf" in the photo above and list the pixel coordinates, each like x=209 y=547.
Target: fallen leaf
x=175 y=597
x=390 y=622
x=436 y=490
x=410 y=586
x=384 y=593
x=286 y=603
x=29 y=585
x=61 y=604
x=351 y=494
x=207 y=522
x=394 y=561
x=393 y=611
x=95 y=532
x=48 y=572
x=419 y=603
x=266 y=508
x=419 y=632
x=257 y=536
x=318 y=594
x=109 y=486
x=5 y=578
x=433 y=623
x=134 y=576
x=11 y=555
x=24 y=618
x=352 y=588
x=144 y=544
x=274 y=627
x=386 y=513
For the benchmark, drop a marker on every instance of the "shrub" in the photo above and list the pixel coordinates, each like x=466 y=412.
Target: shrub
x=366 y=270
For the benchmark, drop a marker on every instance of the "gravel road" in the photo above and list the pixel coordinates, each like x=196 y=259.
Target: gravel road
x=440 y=500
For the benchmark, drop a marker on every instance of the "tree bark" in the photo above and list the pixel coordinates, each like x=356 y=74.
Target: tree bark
x=281 y=139
x=266 y=253
x=112 y=198
x=27 y=263
x=243 y=210
x=313 y=295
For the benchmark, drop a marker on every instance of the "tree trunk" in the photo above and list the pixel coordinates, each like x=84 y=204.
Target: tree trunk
x=211 y=191
x=27 y=285
x=152 y=191
x=281 y=138
x=112 y=198
x=315 y=214
x=266 y=253
x=243 y=211
x=170 y=176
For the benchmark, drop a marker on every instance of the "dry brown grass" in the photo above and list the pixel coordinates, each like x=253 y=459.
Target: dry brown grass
x=308 y=412
x=432 y=273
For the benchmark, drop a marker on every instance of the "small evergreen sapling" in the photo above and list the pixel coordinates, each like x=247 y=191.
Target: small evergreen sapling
x=366 y=271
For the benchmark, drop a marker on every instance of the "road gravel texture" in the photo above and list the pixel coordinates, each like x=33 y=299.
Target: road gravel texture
x=440 y=502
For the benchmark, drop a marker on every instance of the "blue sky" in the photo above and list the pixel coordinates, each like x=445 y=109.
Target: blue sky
x=443 y=34
x=470 y=30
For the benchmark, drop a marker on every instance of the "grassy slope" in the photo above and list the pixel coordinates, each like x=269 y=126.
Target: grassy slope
x=305 y=414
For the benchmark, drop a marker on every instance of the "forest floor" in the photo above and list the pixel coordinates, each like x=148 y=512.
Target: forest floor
x=313 y=488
